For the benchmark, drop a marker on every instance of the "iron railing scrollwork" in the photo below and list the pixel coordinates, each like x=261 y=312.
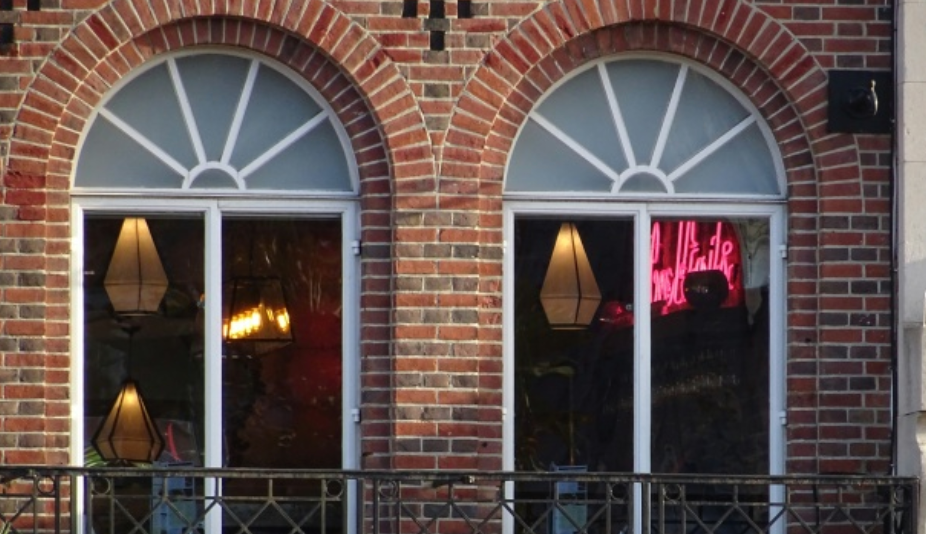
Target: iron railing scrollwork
x=250 y=501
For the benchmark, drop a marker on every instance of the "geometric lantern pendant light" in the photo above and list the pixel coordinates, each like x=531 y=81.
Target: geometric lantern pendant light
x=570 y=294
x=135 y=280
x=257 y=319
x=128 y=433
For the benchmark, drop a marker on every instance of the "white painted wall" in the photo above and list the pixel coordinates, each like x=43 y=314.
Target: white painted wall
x=911 y=226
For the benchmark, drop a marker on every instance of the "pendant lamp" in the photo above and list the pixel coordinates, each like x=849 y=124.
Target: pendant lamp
x=128 y=433
x=135 y=280
x=570 y=294
x=257 y=311
x=256 y=318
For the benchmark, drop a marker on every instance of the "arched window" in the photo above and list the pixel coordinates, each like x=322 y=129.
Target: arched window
x=218 y=122
x=215 y=206
x=645 y=128
x=644 y=315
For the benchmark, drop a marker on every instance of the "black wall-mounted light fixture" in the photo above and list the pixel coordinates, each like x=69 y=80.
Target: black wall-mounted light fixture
x=860 y=101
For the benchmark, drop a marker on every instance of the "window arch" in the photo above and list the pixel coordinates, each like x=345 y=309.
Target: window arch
x=215 y=211
x=644 y=305
x=216 y=121
x=645 y=126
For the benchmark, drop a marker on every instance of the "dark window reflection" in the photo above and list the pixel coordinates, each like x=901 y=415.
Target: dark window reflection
x=282 y=401
x=574 y=387
x=709 y=350
x=281 y=395
x=162 y=351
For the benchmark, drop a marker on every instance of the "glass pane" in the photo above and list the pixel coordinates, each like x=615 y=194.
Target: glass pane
x=276 y=108
x=743 y=165
x=213 y=84
x=643 y=183
x=213 y=178
x=540 y=162
x=580 y=109
x=282 y=379
x=159 y=348
x=314 y=162
x=282 y=361
x=126 y=163
x=159 y=119
x=643 y=89
x=574 y=383
x=705 y=112
x=710 y=346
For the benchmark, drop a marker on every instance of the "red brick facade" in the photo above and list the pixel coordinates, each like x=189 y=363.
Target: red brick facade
x=432 y=131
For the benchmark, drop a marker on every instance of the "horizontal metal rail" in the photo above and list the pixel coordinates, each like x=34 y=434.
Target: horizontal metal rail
x=149 y=500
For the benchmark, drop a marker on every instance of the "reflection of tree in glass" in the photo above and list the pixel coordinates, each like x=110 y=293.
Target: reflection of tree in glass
x=293 y=391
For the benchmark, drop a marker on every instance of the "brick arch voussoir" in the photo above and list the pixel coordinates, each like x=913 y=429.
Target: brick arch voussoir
x=123 y=34
x=735 y=39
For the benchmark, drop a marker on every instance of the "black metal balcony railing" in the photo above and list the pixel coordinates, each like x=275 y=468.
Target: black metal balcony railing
x=182 y=501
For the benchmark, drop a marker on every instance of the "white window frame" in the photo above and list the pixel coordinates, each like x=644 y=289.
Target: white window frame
x=212 y=212
x=642 y=214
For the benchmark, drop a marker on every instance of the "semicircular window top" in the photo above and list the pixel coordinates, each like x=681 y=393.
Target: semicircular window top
x=214 y=121
x=635 y=127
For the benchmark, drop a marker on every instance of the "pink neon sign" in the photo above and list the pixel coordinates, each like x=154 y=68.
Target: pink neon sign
x=680 y=248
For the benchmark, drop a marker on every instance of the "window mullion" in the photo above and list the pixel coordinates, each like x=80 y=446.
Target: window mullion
x=777 y=344
x=212 y=357
x=642 y=375
x=213 y=337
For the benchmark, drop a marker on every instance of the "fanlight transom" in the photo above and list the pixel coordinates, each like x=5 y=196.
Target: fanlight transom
x=645 y=126
x=219 y=122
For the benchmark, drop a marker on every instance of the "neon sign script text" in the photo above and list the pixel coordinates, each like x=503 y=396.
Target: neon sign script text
x=679 y=248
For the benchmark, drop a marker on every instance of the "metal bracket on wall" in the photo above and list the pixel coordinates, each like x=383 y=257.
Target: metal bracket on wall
x=6 y=34
x=860 y=101
x=9 y=19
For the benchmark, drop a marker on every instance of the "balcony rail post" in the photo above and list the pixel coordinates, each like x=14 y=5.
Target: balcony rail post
x=56 y=487
x=646 y=508
x=73 y=516
x=375 y=506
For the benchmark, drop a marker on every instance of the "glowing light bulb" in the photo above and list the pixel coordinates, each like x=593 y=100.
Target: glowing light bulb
x=282 y=320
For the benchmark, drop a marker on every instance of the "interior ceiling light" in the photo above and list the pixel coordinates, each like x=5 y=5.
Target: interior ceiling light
x=570 y=294
x=135 y=280
x=128 y=433
x=256 y=319
x=257 y=311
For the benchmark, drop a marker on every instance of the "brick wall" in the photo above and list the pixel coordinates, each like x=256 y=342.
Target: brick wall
x=432 y=127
